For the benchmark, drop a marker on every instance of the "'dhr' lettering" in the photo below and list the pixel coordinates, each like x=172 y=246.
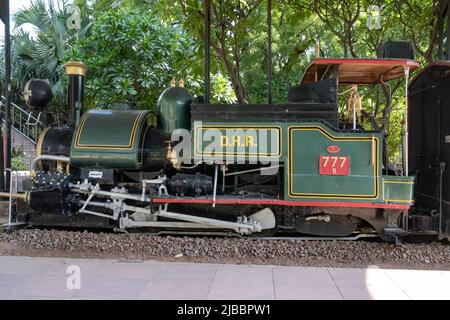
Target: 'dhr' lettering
x=237 y=141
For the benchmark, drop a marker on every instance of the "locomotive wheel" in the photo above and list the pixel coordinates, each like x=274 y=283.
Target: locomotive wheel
x=386 y=237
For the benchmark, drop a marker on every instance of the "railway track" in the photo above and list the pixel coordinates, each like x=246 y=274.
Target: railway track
x=285 y=250
x=417 y=237
x=280 y=236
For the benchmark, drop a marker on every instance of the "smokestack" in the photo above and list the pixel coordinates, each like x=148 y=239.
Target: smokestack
x=76 y=71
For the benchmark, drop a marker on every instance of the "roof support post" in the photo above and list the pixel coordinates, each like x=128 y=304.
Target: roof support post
x=5 y=152
x=406 y=138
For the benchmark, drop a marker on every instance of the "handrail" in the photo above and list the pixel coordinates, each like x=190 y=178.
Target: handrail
x=22 y=110
x=23 y=121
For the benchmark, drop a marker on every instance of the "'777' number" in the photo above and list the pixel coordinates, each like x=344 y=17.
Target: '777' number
x=334 y=165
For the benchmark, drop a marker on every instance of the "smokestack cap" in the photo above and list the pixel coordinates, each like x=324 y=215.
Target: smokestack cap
x=76 y=68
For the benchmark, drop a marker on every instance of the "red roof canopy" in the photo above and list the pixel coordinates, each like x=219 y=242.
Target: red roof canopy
x=359 y=71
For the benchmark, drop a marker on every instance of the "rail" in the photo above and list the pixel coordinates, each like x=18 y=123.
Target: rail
x=23 y=121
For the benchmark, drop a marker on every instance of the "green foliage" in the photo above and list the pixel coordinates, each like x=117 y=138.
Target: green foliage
x=151 y=53
x=132 y=72
x=137 y=70
x=42 y=55
x=18 y=160
x=420 y=20
x=221 y=89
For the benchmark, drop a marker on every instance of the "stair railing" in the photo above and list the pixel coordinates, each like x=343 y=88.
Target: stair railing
x=23 y=121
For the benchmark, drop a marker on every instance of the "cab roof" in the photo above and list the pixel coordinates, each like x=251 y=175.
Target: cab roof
x=359 y=71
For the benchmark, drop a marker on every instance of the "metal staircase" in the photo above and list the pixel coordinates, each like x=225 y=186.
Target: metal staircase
x=25 y=130
x=23 y=121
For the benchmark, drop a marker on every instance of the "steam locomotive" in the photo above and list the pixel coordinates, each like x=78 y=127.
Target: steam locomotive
x=248 y=169
x=299 y=167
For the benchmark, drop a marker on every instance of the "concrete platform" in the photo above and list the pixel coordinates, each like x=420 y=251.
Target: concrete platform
x=48 y=278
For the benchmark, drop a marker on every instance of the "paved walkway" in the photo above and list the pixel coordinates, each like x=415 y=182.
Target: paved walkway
x=48 y=278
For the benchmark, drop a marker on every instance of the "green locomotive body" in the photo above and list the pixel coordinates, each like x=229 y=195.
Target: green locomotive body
x=355 y=159
x=292 y=167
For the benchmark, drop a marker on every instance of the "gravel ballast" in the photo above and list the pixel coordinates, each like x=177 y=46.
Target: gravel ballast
x=36 y=242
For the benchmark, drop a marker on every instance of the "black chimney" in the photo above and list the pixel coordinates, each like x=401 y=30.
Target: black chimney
x=76 y=71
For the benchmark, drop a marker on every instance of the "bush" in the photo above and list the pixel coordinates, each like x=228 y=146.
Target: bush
x=18 y=160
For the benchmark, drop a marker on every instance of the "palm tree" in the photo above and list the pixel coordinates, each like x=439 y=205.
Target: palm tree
x=42 y=53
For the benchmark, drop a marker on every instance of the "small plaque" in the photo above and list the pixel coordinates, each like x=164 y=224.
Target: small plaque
x=95 y=174
x=447 y=139
x=333 y=149
x=334 y=165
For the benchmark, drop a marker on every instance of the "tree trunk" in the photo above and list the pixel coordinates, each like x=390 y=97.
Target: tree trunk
x=234 y=76
x=236 y=81
x=239 y=90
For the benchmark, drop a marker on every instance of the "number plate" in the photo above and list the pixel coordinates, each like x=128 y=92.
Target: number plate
x=334 y=165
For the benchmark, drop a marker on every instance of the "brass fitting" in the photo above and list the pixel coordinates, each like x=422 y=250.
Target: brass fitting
x=172 y=156
x=22 y=196
x=76 y=68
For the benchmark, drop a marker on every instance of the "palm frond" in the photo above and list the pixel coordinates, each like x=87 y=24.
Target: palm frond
x=42 y=55
x=36 y=14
